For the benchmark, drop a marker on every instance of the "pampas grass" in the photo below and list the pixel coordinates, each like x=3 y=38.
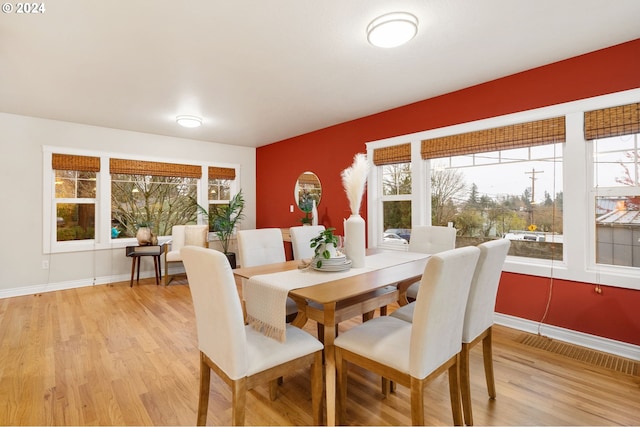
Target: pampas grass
x=354 y=179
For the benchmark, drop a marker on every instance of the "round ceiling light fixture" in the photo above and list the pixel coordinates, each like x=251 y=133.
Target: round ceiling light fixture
x=392 y=29
x=189 y=121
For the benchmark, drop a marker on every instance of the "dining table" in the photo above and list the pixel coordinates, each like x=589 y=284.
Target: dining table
x=330 y=297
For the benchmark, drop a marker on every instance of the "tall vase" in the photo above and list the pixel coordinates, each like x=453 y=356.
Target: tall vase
x=354 y=244
x=314 y=214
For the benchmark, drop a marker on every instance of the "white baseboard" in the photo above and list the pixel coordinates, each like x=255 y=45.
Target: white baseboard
x=594 y=342
x=71 y=284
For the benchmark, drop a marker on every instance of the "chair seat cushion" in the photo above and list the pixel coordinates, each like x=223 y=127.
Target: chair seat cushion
x=265 y=353
x=405 y=312
x=384 y=339
x=173 y=256
x=412 y=291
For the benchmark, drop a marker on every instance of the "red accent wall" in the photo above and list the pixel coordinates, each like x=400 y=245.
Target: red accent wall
x=328 y=151
x=614 y=313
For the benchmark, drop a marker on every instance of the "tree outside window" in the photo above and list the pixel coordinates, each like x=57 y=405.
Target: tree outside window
x=155 y=201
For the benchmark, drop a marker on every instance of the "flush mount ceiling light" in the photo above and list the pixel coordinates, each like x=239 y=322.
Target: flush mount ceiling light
x=189 y=121
x=392 y=29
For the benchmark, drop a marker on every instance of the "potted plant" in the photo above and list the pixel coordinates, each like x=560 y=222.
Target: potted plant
x=306 y=205
x=325 y=245
x=223 y=222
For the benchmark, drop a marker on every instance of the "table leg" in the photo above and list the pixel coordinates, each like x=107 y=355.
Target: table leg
x=155 y=269
x=330 y=361
x=138 y=276
x=133 y=269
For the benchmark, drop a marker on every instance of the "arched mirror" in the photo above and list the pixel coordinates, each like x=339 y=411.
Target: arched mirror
x=307 y=190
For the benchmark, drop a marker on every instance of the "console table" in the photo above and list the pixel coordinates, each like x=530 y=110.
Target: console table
x=137 y=252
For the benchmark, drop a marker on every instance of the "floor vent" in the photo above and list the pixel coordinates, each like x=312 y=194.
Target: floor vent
x=593 y=357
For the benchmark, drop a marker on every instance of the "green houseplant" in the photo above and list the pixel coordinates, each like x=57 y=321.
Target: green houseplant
x=322 y=244
x=223 y=222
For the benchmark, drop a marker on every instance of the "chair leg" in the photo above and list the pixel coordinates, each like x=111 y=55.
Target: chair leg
x=417 y=402
x=341 y=386
x=454 y=391
x=239 y=400
x=203 y=399
x=317 y=386
x=465 y=384
x=487 y=355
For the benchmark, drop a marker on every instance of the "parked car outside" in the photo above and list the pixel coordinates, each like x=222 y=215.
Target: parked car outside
x=404 y=233
x=393 y=239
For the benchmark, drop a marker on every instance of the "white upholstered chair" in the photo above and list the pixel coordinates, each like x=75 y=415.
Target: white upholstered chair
x=478 y=319
x=301 y=240
x=412 y=354
x=238 y=354
x=183 y=235
x=429 y=239
x=263 y=246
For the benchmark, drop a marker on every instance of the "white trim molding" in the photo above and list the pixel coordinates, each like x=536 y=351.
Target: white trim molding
x=593 y=342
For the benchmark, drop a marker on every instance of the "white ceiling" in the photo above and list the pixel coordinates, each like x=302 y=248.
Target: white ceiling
x=259 y=71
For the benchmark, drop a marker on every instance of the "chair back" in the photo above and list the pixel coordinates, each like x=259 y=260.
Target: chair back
x=484 y=288
x=301 y=240
x=260 y=246
x=219 y=319
x=440 y=307
x=189 y=235
x=177 y=237
x=431 y=239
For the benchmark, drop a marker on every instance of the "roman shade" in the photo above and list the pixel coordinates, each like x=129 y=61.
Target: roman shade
x=221 y=173
x=392 y=155
x=612 y=121
x=520 y=135
x=70 y=162
x=139 y=167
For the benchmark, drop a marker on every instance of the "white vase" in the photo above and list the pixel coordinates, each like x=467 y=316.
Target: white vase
x=314 y=214
x=354 y=242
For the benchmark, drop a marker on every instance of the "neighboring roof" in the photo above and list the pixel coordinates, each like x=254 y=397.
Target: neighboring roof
x=618 y=217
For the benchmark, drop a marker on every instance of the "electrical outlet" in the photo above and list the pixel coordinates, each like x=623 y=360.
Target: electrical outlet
x=45 y=264
x=291 y=208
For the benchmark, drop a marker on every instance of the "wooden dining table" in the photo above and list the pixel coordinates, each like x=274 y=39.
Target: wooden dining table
x=334 y=300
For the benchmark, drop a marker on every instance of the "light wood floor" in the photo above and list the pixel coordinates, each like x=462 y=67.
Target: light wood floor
x=114 y=355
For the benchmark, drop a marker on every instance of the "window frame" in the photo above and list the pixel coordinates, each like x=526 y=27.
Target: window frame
x=103 y=238
x=578 y=262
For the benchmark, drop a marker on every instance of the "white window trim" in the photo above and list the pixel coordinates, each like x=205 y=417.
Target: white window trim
x=577 y=264
x=103 y=239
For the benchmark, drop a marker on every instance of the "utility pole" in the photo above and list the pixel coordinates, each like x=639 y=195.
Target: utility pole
x=533 y=188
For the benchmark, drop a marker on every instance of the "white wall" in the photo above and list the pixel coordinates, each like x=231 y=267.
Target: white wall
x=21 y=252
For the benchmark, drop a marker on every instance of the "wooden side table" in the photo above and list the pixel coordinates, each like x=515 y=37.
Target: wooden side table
x=137 y=252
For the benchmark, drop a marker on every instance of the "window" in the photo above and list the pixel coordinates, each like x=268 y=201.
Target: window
x=501 y=182
x=92 y=202
x=562 y=182
x=219 y=189
x=395 y=172
x=75 y=196
x=516 y=194
x=616 y=183
x=154 y=194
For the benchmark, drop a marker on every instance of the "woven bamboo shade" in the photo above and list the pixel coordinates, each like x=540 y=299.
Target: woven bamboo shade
x=69 y=162
x=392 y=155
x=139 y=167
x=221 y=173
x=502 y=138
x=308 y=178
x=613 y=121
